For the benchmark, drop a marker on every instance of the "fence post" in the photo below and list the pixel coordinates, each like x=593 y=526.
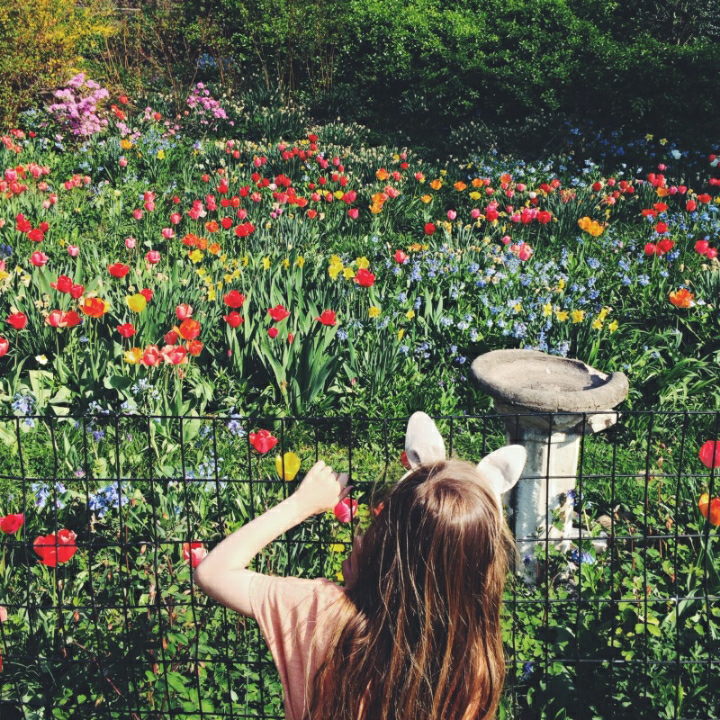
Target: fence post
x=549 y=404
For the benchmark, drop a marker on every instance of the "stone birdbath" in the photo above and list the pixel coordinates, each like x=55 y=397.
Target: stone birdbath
x=549 y=403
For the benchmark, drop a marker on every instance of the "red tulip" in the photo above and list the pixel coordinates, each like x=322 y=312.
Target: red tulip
x=4 y=347
x=704 y=198
x=364 y=278
x=195 y=552
x=429 y=228
x=233 y=319
x=650 y=249
x=12 y=523
x=544 y=217
x=272 y=332
x=195 y=347
x=171 y=337
x=55 y=548
x=234 y=299
x=400 y=257
x=328 y=317
x=665 y=245
x=36 y=235
x=263 y=441
x=709 y=454
x=76 y=291
x=147 y=293
x=278 y=313
x=691 y=206
x=345 y=510
x=711 y=253
x=353 y=213
x=17 y=320
x=189 y=329
x=491 y=214
x=127 y=330
x=63 y=284
x=701 y=247
x=118 y=270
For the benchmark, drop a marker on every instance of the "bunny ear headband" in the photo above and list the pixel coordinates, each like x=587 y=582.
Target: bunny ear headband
x=424 y=445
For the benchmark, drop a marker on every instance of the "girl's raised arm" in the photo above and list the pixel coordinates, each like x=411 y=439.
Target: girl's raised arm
x=223 y=574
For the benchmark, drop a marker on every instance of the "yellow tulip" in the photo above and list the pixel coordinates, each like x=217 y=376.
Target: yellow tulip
x=288 y=465
x=137 y=302
x=133 y=356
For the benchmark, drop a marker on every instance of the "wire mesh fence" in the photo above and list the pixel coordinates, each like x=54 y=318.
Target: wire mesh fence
x=620 y=617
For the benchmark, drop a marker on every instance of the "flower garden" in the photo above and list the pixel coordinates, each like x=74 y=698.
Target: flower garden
x=194 y=307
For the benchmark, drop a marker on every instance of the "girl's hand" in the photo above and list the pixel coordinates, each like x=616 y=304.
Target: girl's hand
x=322 y=489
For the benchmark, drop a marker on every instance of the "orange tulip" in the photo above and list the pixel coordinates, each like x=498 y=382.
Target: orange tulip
x=682 y=298
x=711 y=508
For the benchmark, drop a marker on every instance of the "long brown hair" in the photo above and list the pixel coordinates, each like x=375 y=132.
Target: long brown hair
x=418 y=633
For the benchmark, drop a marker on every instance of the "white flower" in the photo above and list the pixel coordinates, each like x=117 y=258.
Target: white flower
x=42 y=359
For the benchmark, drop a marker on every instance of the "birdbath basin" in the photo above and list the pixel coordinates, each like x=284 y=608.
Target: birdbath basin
x=549 y=403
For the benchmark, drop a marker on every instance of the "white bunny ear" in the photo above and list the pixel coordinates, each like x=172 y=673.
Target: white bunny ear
x=423 y=442
x=502 y=468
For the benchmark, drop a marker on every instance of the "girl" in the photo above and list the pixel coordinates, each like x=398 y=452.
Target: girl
x=415 y=634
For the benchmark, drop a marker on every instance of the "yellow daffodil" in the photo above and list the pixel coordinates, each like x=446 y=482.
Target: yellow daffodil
x=362 y=262
x=266 y=263
x=137 y=302
x=613 y=326
x=562 y=315
x=577 y=315
x=245 y=260
x=410 y=314
x=561 y=284
x=286 y=263
x=161 y=155
x=334 y=271
x=517 y=307
x=649 y=137
x=547 y=310
x=401 y=332
x=195 y=255
x=348 y=273
x=300 y=261
x=288 y=465
x=373 y=312
x=597 y=323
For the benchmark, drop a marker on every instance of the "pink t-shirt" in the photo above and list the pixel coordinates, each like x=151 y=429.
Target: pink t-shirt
x=288 y=611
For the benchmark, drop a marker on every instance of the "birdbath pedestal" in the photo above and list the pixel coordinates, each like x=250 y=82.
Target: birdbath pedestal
x=549 y=404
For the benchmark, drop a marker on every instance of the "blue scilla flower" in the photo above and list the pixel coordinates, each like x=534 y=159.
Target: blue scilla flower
x=341 y=334
x=644 y=279
x=404 y=349
x=473 y=267
x=416 y=274
x=42 y=493
x=418 y=302
x=585 y=557
x=402 y=297
x=396 y=270
x=446 y=321
x=593 y=263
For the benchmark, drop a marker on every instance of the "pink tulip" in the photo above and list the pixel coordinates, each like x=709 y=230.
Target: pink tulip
x=138 y=214
x=345 y=510
x=474 y=213
x=130 y=243
x=149 y=205
x=194 y=552
x=153 y=257
x=123 y=162
x=175 y=218
x=73 y=250
x=451 y=214
x=38 y=259
x=168 y=233
x=183 y=311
